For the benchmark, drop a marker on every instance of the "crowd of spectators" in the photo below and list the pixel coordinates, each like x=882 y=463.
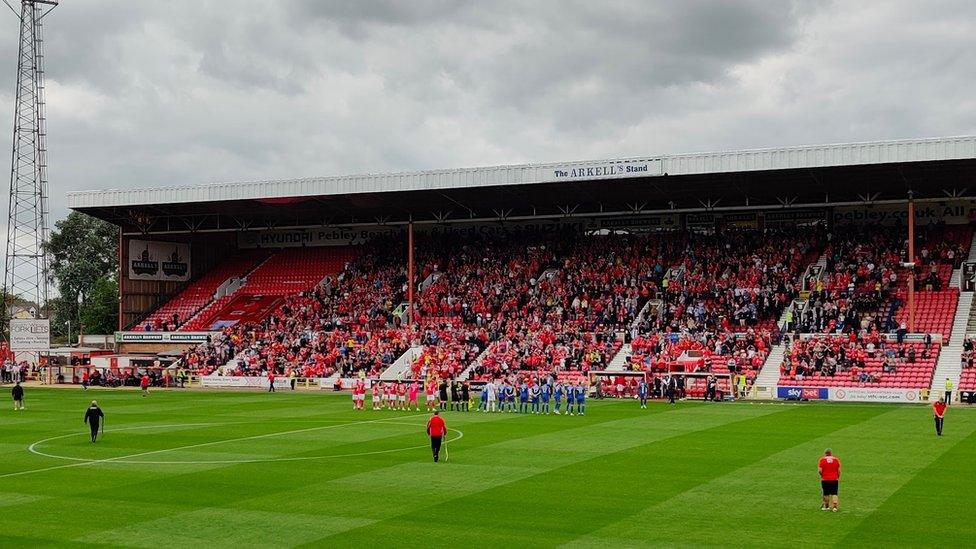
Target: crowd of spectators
x=861 y=357
x=566 y=301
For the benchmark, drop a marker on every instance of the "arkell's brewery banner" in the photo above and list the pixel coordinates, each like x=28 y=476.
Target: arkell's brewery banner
x=153 y=260
x=609 y=170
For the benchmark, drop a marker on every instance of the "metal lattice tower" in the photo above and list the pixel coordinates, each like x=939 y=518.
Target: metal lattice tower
x=25 y=269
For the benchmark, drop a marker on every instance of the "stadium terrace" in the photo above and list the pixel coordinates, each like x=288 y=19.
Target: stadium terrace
x=782 y=272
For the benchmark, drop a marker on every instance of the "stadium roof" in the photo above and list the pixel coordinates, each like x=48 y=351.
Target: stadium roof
x=783 y=177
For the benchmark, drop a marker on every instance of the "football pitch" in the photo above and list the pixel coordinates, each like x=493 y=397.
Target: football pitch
x=238 y=469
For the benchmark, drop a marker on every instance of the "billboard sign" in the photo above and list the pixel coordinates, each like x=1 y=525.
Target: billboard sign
x=801 y=393
x=30 y=334
x=866 y=394
x=154 y=260
x=162 y=337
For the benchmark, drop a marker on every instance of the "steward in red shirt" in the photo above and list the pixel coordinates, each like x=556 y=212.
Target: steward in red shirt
x=829 y=468
x=939 y=409
x=436 y=429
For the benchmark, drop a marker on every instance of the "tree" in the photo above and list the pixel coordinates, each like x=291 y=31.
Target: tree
x=84 y=255
x=100 y=313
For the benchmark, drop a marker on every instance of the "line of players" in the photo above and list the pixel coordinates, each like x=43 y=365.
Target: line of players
x=532 y=397
x=400 y=395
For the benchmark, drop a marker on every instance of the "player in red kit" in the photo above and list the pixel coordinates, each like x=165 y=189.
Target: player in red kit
x=437 y=430
x=939 y=409
x=144 y=384
x=358 y=394
x=829 y=467
x=376 y=395
x=401 y=390
x=430 y=391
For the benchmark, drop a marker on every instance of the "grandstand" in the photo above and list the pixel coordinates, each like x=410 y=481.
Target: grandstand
x=790 y=267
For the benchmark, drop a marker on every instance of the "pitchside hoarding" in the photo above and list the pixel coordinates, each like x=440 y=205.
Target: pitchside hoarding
x=801 y=393
x=865 y=394
x=849 y=394
x=238 y=382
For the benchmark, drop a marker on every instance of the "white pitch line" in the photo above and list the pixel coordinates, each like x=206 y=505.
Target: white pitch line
x=187 y=447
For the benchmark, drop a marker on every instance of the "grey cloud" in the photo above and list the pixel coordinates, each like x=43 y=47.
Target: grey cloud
x=185 y=91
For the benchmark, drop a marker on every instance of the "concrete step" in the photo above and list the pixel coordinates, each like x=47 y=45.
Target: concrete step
x=619 y=361
x=401 y=366
x=764 y=386
x=948 y=365
x=466 y=374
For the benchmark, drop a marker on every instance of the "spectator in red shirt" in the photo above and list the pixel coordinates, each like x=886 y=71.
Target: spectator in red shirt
x=829 y=468
x=939 y=408
x=436 y=429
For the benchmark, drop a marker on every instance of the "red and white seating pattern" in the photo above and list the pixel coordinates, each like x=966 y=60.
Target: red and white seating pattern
x=862 y=365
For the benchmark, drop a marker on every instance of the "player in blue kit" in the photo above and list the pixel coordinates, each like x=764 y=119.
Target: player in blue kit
x=534 y=395
x=523 y=398
x=546 y=390
x=483 y=405
x=570 y=398
x=503 y=389
x=580 y=391
x=510 y=397
x=642 y=389
x=557 y=394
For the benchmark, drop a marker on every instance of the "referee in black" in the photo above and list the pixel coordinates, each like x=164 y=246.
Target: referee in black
x=443 y=394
x=93 y=417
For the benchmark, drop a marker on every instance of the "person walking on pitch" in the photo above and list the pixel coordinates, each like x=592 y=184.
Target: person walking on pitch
x=144 y=384
x=94 y=417
x=18 y=393
x=642 y=393
x=436 y=430
x=829 y=468
x=939 y=409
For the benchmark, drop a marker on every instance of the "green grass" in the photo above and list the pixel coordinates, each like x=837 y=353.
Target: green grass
x=234 y=469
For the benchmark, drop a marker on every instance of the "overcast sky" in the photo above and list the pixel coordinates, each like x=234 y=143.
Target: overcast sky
x=154 y=93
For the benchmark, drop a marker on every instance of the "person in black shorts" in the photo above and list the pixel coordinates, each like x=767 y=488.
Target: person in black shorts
x=455 y=396
x=829 y=469
x=442 y=389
